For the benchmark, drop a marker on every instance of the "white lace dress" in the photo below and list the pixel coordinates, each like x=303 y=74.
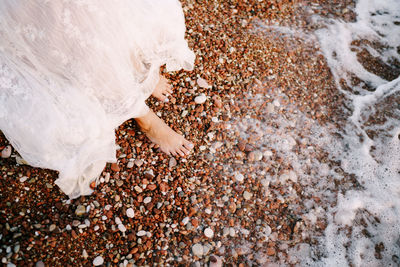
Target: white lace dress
x=71 y=71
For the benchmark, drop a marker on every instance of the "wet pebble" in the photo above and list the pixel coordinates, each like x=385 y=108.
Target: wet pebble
x=200 y=99
x=247 y=195
x=6 y=152
x=80 y=210
x=202 y=83
x=130 y=164
x=98 y=261
x=198 y=250
x=130 y=213
x=208 y=232
x=172 y=162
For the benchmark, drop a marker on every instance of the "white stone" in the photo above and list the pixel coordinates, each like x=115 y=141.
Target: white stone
x=6 y=152
x=85 y=254
x=267 y=154
x=130 y=213
x=96 y=228
x=232 y=232
x=198 y=250
x=185 y=220
x=208 y=232
x=118 y=220
x=122 y=228
x=138 y=189
x=184 y=113
x=239 y=177
x=247 y=195
x=200 y=99
x=276 y=103
x=130 y=164
x=23 y=179
x=147 y=200
x=98 y=261
x=202 y=83
x=68 y=227
x=141 y=233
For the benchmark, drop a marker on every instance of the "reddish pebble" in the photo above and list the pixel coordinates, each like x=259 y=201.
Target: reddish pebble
x=152 y=187
x=115 y=167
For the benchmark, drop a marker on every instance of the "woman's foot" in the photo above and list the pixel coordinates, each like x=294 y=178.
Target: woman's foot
x=163 y=89
x=161 y=134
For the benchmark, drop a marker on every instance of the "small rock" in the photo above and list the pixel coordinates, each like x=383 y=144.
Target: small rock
x=130 y=164
x=6 y=152
x=198 y=250
x=185 y=220
x=52 y=227
x=115 y=167
x=255 y=155
x=151 y=187
x=121 y=227
x=247 y=195
x=200 y=99
x=232 y=232
x=119 y=182
x=239 y=177
x=138 y=189
x=202 y=83
x=80 y=210
x=232 y=207
x=271 y=251
x=130 y=213
x=85 y=254
x=141 y=233
x=138 y=162
x=147 y=200
x=270 y=108
x=39 y=264
x=172 y=162
x=98 y=261
x=208 y=232
x=23 y=179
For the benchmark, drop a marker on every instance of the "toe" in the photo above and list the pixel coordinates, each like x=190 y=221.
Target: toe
x=184 y=150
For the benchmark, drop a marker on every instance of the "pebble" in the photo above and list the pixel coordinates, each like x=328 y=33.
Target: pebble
x=200 y=99
x=147 y=200
x=98 y=261
x=52 y=227
x=141 y=233
x=255 y=155
x=85 y=254
x=202 y=83
x=247 y=195
x=208 y=232
x=119 y=183
x=270 y=108
x=239 y=177
x=197 y=250
x=138 y=162
x=172 y=162
x=80 y=210
x=23 y=179
x=130 y=213
x=39 y=264
x=138 y=189
x=130 y=164
x=6 y=152
x=232 y=232
x=121 y=227
x=185 y=220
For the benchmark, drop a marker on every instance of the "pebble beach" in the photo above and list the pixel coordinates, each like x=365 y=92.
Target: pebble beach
x=261 y=106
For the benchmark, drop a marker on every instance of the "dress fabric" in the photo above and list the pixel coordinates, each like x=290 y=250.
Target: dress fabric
x=71 y=71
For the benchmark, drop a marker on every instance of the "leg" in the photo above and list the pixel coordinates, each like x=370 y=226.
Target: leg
x=161 y=134
x=162 y=90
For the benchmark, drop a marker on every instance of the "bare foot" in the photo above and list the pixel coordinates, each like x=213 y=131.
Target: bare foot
x=161 y=134
x=163 y=89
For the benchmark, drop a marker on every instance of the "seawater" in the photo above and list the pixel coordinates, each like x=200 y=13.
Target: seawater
x=371 y=137
x=363 y=221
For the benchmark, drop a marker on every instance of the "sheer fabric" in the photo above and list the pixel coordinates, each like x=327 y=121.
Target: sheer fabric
x=71 y=71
